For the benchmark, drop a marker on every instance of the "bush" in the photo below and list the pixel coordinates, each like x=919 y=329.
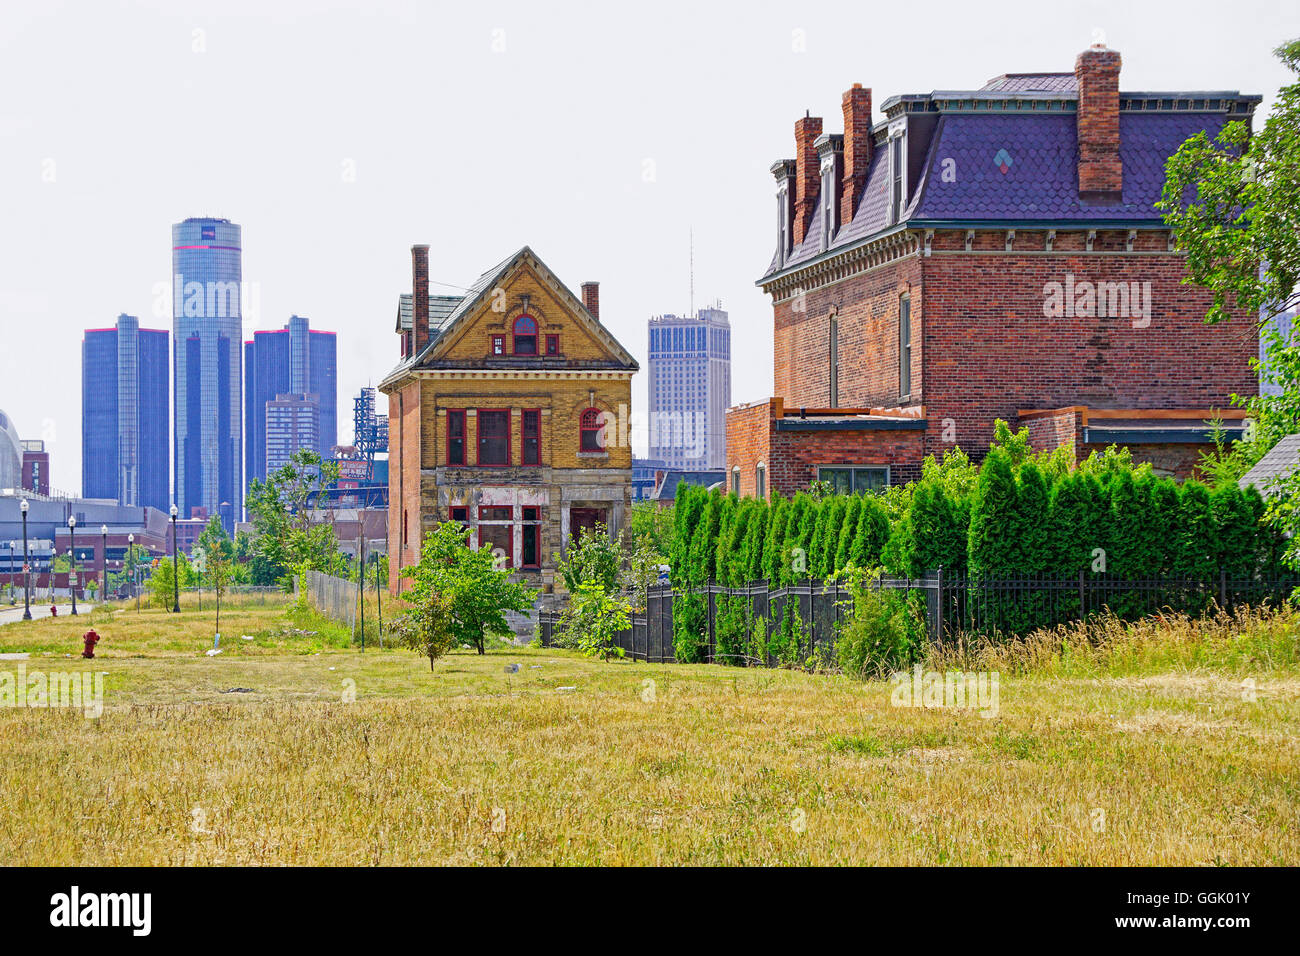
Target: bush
x=883 y=633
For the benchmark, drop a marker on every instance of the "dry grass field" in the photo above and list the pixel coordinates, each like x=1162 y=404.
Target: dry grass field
x=1123 y=746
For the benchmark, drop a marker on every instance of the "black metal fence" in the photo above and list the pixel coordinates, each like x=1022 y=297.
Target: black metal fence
x=945 y=604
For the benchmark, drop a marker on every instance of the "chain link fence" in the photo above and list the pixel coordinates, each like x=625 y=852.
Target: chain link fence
x=333 y=597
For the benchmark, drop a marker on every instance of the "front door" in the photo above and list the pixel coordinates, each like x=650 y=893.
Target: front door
x=584 y=520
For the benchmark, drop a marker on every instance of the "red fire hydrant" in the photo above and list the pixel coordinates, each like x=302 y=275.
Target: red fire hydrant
x=54 y=611
x=91 y=639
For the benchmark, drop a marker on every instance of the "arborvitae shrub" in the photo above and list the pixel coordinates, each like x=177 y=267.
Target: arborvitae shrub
x=992 y=548
x=1195 y=545
x=844 y=545
x=1233 y=532
x=1032 y=514
x=774 y=541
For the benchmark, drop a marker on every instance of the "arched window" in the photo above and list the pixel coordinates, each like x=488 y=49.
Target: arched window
x=593 y=431
x=525 y=335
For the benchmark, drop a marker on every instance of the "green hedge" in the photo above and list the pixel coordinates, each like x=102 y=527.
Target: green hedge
x=1017 y=514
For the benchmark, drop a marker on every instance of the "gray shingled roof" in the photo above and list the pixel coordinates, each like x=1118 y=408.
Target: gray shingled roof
x=1281 y=461
x=706 y=479
x=440 y=306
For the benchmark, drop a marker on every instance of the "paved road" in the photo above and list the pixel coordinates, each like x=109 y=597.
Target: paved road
x=9 y=615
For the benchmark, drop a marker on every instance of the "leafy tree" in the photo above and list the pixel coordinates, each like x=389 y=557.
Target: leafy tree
x=285 y=536
x=477 y=592
x=593 y=619
x=1234 y=207
x=1233 y=204
x=162 y=584
x=591 y=557
x=641 y=570
x=220 y=556
x=655 y=524
x=425 y=626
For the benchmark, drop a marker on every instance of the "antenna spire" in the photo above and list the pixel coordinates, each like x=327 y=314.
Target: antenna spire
x=692 y=312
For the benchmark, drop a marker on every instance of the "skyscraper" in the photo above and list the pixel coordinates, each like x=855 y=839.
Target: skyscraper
x=207 y=285
x=297 y=361
x=690 y=389
x=124 y=450
x=292 y=423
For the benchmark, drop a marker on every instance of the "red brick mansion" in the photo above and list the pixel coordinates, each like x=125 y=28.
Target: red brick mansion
x=984 y=254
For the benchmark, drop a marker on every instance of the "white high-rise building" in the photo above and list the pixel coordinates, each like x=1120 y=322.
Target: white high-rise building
x=690 y=389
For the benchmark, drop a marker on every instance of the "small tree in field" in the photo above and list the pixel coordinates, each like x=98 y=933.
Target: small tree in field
x=594 y=617
x=220 y=553
x=426 y=626
x=477 y=593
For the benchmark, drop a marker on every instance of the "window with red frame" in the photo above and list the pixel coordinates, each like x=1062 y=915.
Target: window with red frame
x=552 y=345
x=531 y=557
x=493 y=437
x=456 y=436
x=531 y=425
x=592 y=431
x=525 y=335
x=498 y=345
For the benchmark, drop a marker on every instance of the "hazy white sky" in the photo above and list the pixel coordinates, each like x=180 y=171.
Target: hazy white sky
x=476 y=128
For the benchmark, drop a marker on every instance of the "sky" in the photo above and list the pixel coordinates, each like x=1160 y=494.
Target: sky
x=601 y=135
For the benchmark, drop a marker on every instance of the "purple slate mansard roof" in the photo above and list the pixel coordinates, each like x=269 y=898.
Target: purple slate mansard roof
x=1041 y=184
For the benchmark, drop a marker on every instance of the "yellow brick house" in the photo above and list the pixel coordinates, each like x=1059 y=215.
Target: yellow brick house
x=508 y=413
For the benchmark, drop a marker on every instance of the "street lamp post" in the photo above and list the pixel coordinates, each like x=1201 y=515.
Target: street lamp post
x=176 y=568
x=130 y=550
x=27 y=590
x=103 y=556
x=72 y=560
x=361 y=583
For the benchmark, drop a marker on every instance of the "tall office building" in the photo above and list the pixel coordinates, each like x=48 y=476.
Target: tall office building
x=207 y=286
x=292 y=422
x=124 y=448
x=690 y=389
x=295 y=360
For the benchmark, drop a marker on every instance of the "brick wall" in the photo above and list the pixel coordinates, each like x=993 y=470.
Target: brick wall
x=749 y=431
x=983 y=347
x=990 y=350
x=1049 y=432
x=404 y=520
x=795 y=455
x=866 y=314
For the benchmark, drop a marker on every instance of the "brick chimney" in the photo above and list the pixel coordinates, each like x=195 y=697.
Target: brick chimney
x=591 y=298
x=419 y=298
x=857 y=149
x=1101 y=176
x=807 y=174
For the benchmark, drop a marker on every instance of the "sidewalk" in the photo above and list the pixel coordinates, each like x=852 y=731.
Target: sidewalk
x=9 y=615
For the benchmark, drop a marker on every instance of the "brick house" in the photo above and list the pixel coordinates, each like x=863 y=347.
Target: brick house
x=499 y=413
x=988 y=254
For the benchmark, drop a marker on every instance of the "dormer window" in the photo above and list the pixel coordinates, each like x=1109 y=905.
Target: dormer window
x=897 y=174
x=525 y=334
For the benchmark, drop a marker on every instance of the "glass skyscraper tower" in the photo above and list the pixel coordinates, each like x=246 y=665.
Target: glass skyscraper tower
x=124 y=450
x=207 y=287
x=296 y=360
x=690 y=389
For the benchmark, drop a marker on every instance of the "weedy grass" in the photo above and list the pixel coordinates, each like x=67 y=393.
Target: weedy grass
x=1121 y=747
